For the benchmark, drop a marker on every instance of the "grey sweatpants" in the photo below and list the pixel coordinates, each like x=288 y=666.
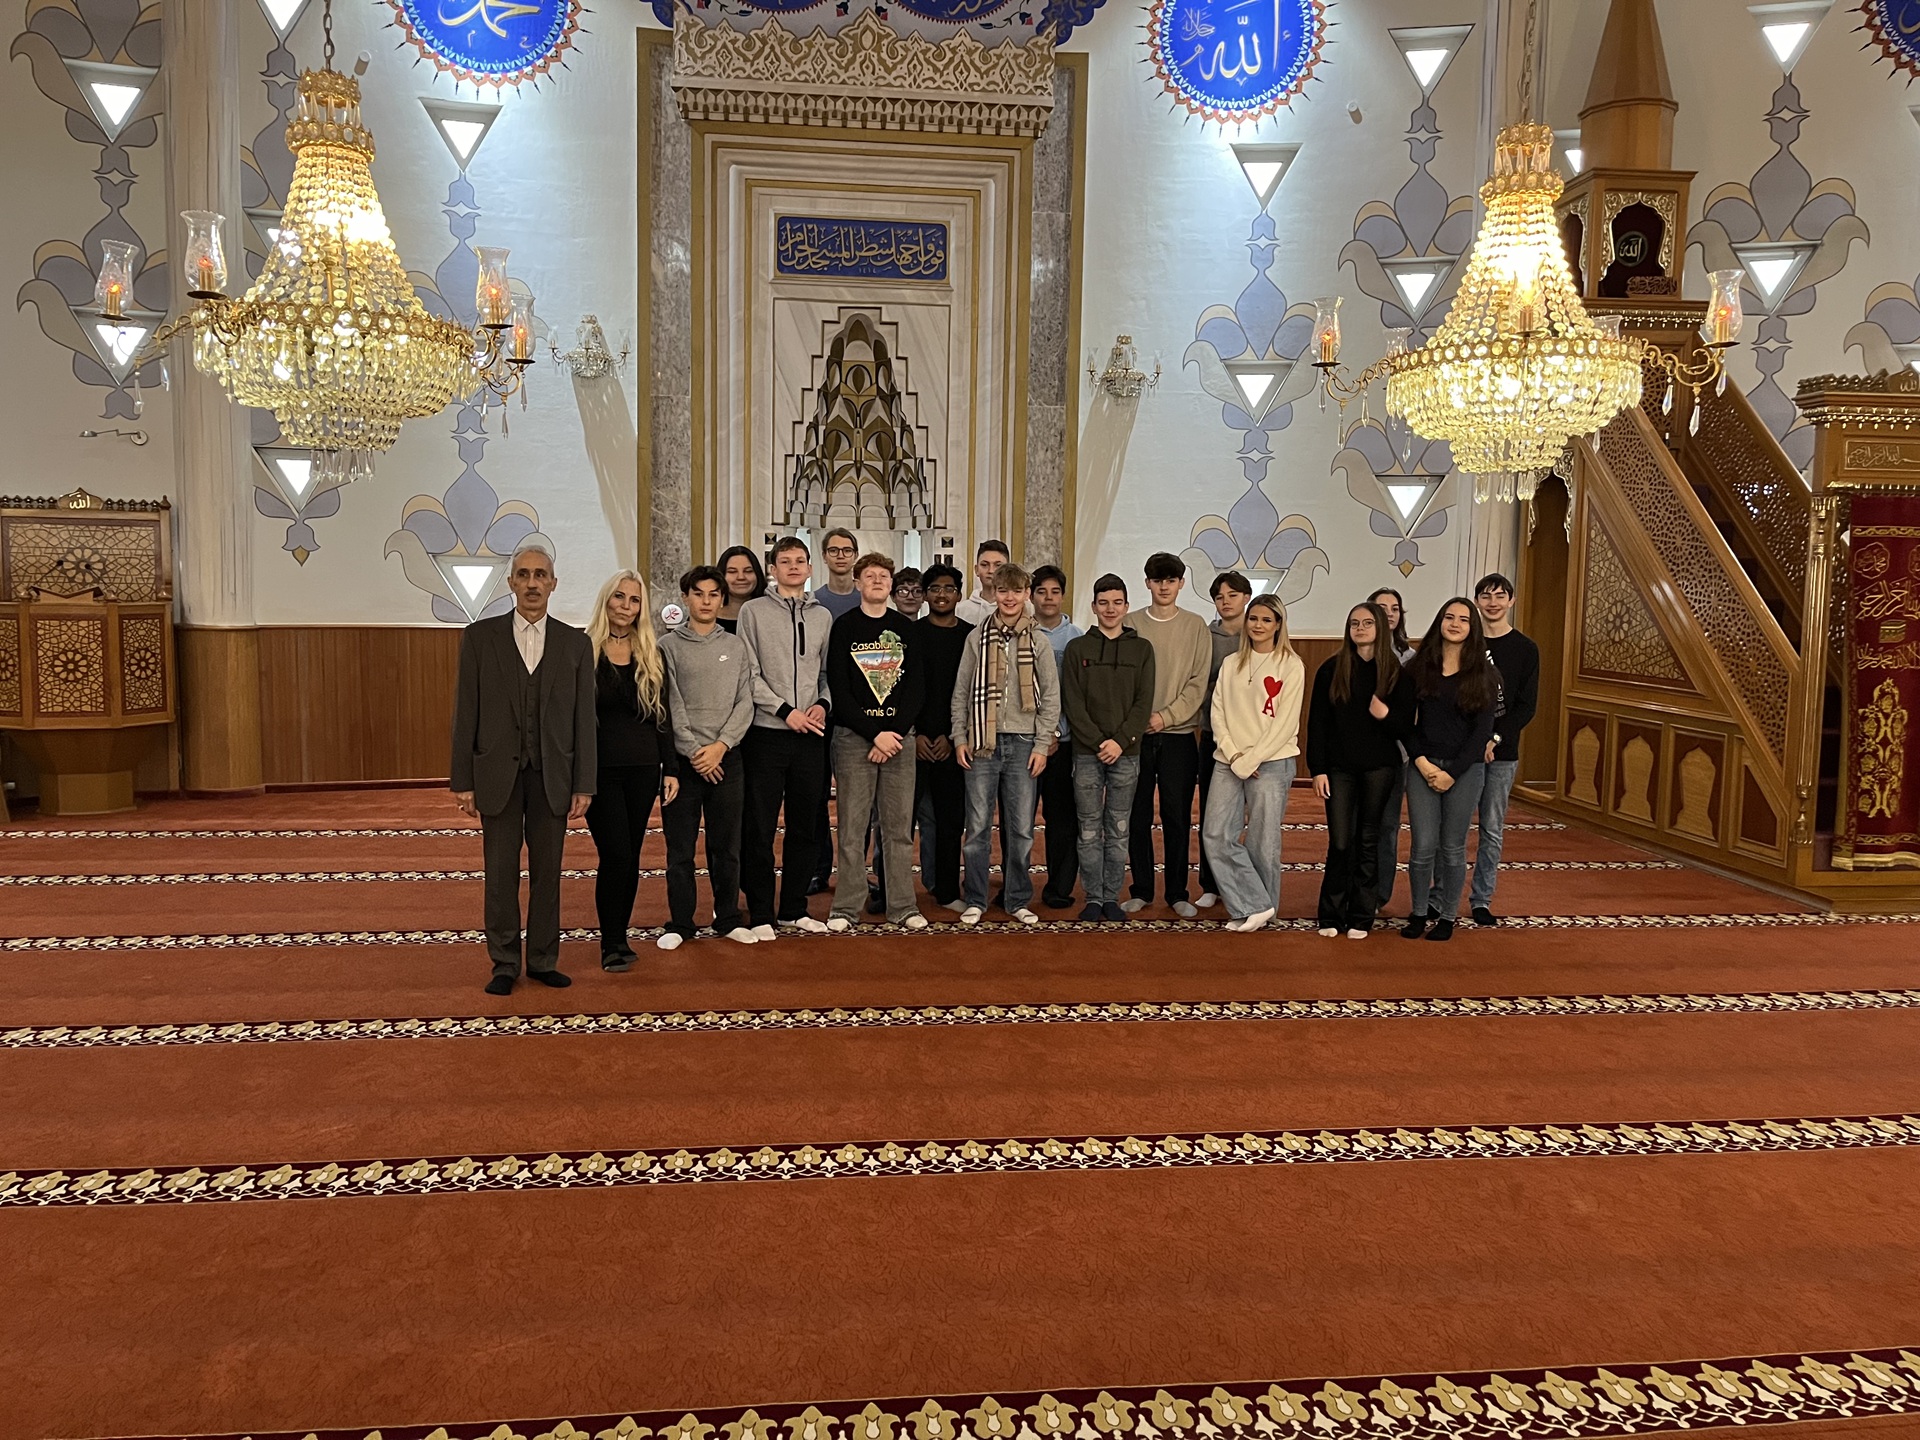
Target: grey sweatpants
x=856 y=780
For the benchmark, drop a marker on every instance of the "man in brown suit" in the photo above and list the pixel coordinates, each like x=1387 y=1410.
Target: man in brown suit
x=524 y=761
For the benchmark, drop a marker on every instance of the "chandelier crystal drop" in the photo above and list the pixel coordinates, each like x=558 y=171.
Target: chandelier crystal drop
x=331 y=338
x=1517 y=369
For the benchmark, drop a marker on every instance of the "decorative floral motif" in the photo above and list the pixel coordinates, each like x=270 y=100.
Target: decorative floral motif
x=70 y=672
x=143 y=677
x=1618 y=635
x=1880 y=730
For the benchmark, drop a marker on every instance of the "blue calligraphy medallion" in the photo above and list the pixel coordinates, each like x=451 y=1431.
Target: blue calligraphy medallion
x=1235 y=59
x=859 y=249
x=489 y=42
x=1895 y=27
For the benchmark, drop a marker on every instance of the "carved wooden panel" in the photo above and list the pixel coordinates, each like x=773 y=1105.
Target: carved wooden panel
x=1636 y=771
x=1586 y=734
x=1767 y=491
x=1619 y=637
x=143 y=665
x=1759 y=822
x=67 y=557
x=69 y=667
x=1694 y=806
x=1719 y=609
x=9 y=666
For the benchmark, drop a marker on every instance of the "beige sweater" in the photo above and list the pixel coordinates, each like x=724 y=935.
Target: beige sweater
x=1256 y=709
x=1182 y=656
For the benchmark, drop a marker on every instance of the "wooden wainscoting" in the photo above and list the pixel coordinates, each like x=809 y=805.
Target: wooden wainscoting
x=346 y=704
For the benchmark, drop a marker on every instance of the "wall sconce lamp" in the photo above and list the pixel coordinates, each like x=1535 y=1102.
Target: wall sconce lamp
x=591 y=359
x=1122 y=379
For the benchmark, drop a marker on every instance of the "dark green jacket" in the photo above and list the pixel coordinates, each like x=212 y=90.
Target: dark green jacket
x=1106 y=690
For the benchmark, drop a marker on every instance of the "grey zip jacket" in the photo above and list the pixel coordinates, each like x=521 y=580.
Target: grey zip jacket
x=788 y=639
x=709 y=687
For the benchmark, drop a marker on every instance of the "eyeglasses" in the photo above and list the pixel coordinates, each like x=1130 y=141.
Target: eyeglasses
x=943 y=587
x=841 y=550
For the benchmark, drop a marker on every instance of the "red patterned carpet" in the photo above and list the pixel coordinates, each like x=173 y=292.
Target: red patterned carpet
x=1643 y=1158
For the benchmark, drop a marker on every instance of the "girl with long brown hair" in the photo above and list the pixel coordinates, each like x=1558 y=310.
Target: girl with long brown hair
x=1362 y=709
x=1457 y=695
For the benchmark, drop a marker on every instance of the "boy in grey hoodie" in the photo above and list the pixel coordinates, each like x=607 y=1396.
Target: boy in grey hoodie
x=710 y=692
x=786 y=747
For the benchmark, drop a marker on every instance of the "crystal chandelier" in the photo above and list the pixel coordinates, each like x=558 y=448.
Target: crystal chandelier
x=332 y=338
x=1518 y=369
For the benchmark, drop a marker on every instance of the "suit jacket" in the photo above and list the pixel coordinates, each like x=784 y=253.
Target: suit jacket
x=486 y=738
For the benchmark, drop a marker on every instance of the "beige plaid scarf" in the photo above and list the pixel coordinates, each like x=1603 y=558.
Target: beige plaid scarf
x=990 y=680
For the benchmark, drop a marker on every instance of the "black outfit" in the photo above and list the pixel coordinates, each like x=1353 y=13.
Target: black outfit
x=1518 y=660
x=633 y=750
x=1063 y=826
x=525 y=745
x=1447 y=736
x=782 y=765
x=718 y=805
x=938 y=648
x=1360 y=756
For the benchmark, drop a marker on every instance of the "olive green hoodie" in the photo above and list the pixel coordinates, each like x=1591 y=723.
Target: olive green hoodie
x=1106 y=689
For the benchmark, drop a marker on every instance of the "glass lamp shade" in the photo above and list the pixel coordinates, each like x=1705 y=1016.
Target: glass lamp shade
x=1326 y=330
x=206 y=259
x=492 y=292
x=1397 y=338
x=1608 y=326
x=115 y=283
x=1724 y=314
x=520 y=338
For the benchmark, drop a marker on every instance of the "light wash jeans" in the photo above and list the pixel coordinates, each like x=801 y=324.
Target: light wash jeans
x=1103 y=804
x=1000 y=777
x=1494 y=795
x=1248 y=871
x=1437 y=868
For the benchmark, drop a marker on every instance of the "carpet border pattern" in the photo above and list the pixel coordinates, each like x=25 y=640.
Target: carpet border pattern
x=296 y=939
x=335 y=1179
x=872 y=1017
x=1570 y=1401
x=18 y=832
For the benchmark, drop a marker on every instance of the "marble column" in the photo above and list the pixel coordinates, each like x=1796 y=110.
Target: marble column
x=670 y=348
x=1048 y=327
x=218 y=646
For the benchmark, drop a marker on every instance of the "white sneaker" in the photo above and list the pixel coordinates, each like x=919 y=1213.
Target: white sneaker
x=1253 y=922
x=670 y=941
x=1026 y=916
x=839 y=924
x=764 y=932
x=806 y=925
x=1207 y=900
x=915 y=921
x=1329 y=933
x=971 y=915
x=1184 y=909
x=1133 y=905
x=1355 y=934
x=740 y=935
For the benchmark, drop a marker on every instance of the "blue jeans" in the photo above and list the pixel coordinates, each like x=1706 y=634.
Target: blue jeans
x=1000 y=776
x=1494 y=795
x=1248 y=871
x=1103 y=804
x=1438 y=866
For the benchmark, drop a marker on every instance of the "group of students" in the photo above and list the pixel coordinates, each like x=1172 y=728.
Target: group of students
x=992 y=707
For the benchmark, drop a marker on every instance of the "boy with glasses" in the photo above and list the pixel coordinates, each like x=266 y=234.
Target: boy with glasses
x=839 y=549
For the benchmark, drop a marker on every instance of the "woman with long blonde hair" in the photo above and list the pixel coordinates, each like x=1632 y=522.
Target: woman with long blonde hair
x=1256 y=737
x=636 y=752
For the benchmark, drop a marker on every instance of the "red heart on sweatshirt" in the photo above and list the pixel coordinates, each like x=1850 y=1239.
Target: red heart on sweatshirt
x=1273 y=693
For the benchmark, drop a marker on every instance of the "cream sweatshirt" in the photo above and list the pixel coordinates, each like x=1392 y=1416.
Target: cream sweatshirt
x=1256 y=709
x=1182 y=656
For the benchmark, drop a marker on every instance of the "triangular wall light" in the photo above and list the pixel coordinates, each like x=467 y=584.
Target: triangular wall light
x=1787 y=28
x=472 y=578
x=1772 y=267
x=1419 y=279
x=461 y=124
x=113 y=92
x=283 y=15
x=1569 y=143
x=1259 y=383
x=1265 y=166
x=1409 y=496
x=116 y=341
x=1429 y=50
x=290 y=471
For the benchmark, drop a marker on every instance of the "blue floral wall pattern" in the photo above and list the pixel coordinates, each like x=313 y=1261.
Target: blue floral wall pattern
x=1262 y=336
x=456 y=546
x=1406 y=255
x=1782 y=215
x=116 y=43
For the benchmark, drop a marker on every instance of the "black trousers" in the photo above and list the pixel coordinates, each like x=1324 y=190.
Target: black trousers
x=783 y=767
x=822 y=822
x=1169 y=764
x=1063 y=827
x=527 y=820
x=1356 y=803
x=622 y=805
x=946 y=783
x=1207 y=887
x=719 y=805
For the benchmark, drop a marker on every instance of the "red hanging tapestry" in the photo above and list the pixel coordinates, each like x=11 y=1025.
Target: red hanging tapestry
x=1879 y=827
